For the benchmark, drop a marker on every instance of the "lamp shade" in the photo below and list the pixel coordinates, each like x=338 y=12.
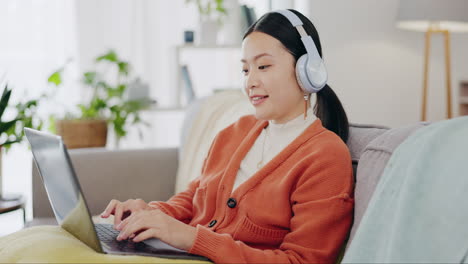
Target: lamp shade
x=421 y=15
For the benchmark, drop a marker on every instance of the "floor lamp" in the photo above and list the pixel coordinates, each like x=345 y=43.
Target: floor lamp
x=434 y=17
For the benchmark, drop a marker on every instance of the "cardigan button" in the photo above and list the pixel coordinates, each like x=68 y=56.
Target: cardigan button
x=231 y=203
x=212 y=223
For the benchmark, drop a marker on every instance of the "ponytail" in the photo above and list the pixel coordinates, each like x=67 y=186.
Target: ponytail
x=330 y=111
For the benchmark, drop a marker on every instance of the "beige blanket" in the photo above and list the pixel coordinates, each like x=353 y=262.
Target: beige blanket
x=217 y=112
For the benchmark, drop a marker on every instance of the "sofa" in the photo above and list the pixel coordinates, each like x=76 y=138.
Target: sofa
x=157 y=173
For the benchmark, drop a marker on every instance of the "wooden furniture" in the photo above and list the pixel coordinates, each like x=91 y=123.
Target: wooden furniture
x=446 y=34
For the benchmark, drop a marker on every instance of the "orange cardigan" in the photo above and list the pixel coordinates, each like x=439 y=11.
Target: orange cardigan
x=297 y=209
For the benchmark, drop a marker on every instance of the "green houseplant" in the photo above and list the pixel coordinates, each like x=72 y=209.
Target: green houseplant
x=106 y=106
x=209 y=8
x=11 y=132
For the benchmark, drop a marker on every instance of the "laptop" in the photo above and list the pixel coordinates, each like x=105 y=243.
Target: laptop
x=70 y=207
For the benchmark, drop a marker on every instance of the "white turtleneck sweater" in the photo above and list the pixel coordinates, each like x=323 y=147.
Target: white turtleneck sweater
x=273 y=139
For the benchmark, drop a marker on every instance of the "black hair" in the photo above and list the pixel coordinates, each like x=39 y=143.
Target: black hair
x=328 y=107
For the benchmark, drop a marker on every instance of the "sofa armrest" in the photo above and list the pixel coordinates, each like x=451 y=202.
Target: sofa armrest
x=104 y=174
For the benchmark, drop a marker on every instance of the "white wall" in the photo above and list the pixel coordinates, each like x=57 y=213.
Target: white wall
x=377 y=69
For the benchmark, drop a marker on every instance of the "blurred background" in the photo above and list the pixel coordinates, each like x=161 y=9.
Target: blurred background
x=173 y=51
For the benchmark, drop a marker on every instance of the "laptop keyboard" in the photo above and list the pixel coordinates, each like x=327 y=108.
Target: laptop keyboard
x=106 y=232
x=108 y=235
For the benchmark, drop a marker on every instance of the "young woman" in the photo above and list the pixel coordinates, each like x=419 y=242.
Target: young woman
x=275 y=187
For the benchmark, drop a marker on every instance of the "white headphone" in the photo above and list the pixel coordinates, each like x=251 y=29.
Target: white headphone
x=311 y=73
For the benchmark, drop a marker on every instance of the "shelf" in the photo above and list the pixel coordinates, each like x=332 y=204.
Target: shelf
x=165 y=109
x=189 y=48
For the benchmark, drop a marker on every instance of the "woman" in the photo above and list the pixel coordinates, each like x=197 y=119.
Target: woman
x=275 y=187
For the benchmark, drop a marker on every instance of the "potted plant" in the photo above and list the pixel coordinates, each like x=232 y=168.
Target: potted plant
x=211 y=14
x=107 y=105
x=11 y=132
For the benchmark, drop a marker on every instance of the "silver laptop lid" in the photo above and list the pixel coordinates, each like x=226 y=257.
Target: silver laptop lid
x=62 y=186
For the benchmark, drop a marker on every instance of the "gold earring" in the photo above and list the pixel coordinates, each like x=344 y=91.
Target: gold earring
x=306 y=99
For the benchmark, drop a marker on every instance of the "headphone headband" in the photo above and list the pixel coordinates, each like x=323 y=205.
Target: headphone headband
x=295 y=21
x=306 y=39
x=310 y=69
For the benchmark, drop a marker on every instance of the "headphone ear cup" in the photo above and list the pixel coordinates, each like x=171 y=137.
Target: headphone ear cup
x=312 y=76
x=301 y=75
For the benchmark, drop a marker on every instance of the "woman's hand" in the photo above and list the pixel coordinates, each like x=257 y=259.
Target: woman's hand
x=142 y=225
x=122 y=210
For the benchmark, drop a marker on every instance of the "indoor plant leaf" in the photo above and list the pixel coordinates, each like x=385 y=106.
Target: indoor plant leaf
x=4 y=126
x=4 y=100
x=123 y=67
x=89 y=77
x=10 y=142
x=55 y=78
x=110 y=56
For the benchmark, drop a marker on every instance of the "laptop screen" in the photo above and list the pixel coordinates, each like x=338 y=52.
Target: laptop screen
x=62 y=187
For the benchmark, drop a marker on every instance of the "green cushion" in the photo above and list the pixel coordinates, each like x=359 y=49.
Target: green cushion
x=42 y=244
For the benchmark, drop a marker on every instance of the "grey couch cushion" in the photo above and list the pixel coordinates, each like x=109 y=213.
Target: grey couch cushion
x=372 y=162
x=359 y=136
x=115 y=174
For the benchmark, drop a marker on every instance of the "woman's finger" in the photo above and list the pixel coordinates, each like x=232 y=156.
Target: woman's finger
x=124 y=223
x=149 y=233
x=131 y=228
x=109 y=209
x=119 y=209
